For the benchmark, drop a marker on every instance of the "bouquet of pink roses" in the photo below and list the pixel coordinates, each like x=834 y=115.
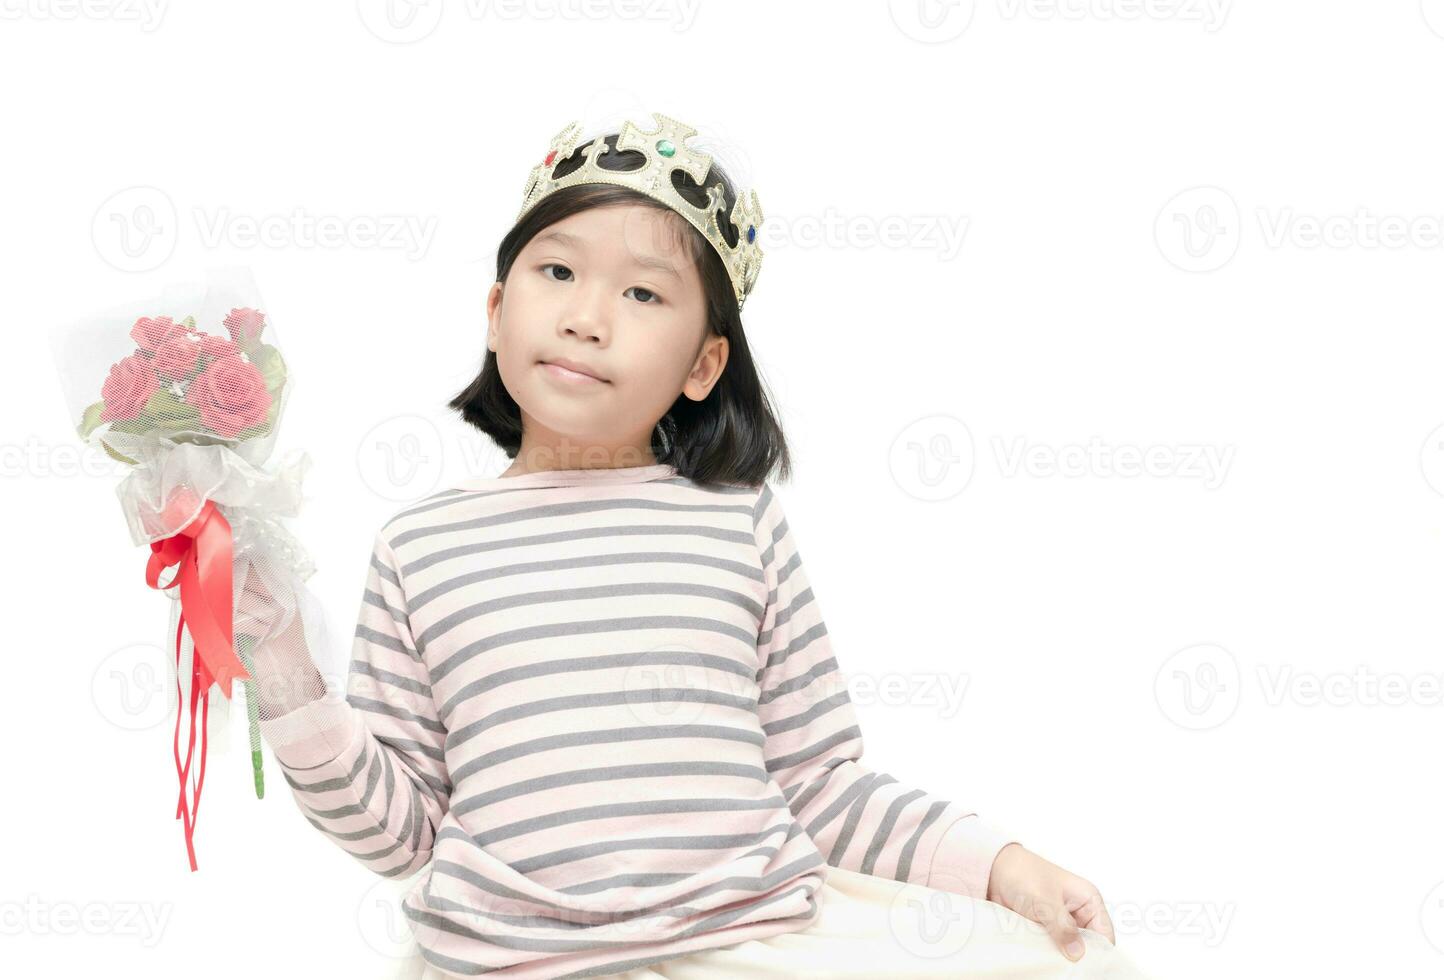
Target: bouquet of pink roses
x=187 y=390
x=183 y=380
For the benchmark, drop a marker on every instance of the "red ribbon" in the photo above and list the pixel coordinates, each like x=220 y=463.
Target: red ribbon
x=202 y=551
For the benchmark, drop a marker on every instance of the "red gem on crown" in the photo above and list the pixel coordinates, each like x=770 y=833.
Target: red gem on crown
x=550 y=157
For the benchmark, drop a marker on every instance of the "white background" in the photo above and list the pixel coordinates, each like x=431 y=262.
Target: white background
x=1181 y=232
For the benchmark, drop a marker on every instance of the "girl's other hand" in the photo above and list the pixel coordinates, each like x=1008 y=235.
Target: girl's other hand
x=1058 y=900
x=284 y=671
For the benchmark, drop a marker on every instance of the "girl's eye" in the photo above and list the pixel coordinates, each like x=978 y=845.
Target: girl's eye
x=565 y=274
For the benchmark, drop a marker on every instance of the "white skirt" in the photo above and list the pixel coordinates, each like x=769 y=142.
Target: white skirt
x=869 y=927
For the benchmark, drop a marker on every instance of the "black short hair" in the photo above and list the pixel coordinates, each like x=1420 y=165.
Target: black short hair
x=732 y=436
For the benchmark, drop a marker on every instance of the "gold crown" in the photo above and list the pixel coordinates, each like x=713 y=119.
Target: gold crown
x=665 y=149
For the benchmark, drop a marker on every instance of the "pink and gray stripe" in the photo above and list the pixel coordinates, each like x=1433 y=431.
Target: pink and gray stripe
x=604 y=706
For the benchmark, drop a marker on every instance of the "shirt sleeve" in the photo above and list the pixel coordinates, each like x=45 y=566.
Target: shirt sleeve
x=861 y=820
x=369 y=771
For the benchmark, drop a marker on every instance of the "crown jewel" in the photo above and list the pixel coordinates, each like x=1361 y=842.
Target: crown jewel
x=733 y=234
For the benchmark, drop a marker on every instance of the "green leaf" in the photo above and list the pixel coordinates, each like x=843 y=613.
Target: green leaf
x=115 y=455
x=165 y=407
x=90 y=420
x=254 y=432
x=133 y=426
x=267 y=359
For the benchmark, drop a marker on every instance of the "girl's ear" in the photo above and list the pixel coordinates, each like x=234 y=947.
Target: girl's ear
x=707 y=368
x=493 y=308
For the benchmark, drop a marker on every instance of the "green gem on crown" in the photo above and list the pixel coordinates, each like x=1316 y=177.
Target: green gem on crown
x=666 y=147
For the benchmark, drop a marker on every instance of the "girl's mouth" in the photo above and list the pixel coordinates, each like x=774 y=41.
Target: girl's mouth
x=566 y=374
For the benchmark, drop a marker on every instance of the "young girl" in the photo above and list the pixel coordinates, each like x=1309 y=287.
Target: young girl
x=596 y=695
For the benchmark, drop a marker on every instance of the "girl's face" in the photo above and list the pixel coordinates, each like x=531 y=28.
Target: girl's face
x=613 y=293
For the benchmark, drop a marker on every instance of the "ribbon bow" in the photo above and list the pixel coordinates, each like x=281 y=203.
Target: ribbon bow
x=201 y=552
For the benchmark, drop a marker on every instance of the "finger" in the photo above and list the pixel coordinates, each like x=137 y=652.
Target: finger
x=1059 y=922
x=1092 y=914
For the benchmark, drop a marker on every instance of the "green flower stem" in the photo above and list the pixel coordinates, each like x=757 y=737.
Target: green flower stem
x=253 y=713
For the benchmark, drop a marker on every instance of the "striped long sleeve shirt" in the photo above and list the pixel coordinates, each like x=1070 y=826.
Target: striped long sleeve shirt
x=602 y=704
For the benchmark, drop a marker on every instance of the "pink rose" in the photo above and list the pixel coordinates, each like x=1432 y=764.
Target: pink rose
x=245 y=325
x=127 y=388
x=231 y=395
x=150 y=332
x=176 y=357
x=213 y=346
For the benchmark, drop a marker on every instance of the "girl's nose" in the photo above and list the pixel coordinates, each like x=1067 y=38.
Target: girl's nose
x=588 y=316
